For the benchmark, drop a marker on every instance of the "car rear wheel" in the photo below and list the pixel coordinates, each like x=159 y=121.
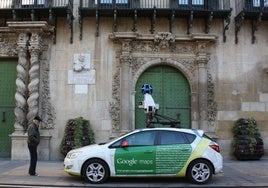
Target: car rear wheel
x=199 y=171
x=95 y=171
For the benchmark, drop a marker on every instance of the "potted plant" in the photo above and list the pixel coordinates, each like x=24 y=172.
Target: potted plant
x=77 y=133
x=247 y=143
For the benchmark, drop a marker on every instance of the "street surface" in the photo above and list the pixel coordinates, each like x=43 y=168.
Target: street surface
x=235 y=174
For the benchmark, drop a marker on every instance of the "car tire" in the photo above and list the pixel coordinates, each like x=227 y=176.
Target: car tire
x=95 y=171
x=199 y=171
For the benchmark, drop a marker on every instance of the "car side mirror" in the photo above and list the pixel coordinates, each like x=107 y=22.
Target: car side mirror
x=124 y=143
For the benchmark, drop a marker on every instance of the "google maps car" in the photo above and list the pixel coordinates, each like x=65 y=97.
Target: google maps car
x=148 y=152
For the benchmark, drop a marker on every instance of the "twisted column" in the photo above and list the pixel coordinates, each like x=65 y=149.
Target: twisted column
x=21 y=84
x=34 y=72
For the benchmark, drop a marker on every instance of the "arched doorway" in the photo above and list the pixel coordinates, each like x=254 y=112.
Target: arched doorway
x=171 y=91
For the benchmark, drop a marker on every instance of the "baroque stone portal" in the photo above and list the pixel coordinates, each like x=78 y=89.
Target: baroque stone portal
x=189 y=54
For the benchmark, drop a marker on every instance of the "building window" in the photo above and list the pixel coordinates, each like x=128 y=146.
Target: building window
x=106 y=1
x=121 y=1
x=194 y=2
x=116 y=1
x=197 y=2
x=266 y=3
x=183 y=2
x=256 y=3
x=32 y=2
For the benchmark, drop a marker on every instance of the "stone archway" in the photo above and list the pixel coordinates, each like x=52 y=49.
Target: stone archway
x=183 y=65
x=171 y=90
x=187 y=54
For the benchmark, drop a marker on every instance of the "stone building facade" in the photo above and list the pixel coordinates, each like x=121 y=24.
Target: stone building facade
x=95 y=75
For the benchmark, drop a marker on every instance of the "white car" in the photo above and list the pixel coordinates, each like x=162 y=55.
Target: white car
x=149 y=152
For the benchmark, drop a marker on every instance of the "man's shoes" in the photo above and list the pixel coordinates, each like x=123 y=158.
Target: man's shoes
x=34 y=174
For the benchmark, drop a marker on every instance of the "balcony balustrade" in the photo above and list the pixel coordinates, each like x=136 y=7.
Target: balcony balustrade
x=37 y=10
x=49 y=10
x=251 y=6
x=9 y=4
x=158 y=4
x=253 y=10
x=171 y=9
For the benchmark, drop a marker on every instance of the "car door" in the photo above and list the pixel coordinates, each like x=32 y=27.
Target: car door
x=136 y=154
x=172 y=152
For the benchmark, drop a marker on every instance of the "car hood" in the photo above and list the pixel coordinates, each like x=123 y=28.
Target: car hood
x=89 y=147
x=94 y=148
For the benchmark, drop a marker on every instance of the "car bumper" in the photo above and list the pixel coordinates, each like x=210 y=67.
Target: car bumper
x=72 y=167
x=218 y=164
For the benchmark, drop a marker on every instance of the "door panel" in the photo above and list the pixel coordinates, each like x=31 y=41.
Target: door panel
x=171 y=91
x=7 y=104
x=138 y=156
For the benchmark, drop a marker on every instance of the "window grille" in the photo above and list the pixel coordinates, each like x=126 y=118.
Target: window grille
x=197 y=2
x=256 y=3
x=31 y=2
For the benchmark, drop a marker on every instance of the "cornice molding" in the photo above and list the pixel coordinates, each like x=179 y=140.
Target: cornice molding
x=145 y=37
x=30 y=26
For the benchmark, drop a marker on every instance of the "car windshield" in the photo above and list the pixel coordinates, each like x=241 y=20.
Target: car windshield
x=112 y=140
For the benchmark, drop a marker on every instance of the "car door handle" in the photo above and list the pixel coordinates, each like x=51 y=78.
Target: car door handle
x=185 y=150
x=148 y=152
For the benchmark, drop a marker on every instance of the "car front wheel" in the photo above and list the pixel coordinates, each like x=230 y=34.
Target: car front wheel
x=95 y=171
x=199 y=171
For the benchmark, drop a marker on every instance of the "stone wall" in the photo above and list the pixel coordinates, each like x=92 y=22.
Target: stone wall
x=237 y=71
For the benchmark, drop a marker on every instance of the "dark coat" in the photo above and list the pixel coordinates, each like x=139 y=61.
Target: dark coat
x=33 y=135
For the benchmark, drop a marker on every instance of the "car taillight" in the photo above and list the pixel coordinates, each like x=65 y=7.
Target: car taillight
x=215 y=147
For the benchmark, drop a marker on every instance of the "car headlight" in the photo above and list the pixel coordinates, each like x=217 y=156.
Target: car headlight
x=73 y=155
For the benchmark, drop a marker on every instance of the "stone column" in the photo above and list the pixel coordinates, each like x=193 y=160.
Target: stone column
x=21 y=83
x=125 y=60
x=34 y=74
x=27 y=95
x=202 y=59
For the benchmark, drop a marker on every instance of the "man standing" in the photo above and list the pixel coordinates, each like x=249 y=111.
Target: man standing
x=33 y=141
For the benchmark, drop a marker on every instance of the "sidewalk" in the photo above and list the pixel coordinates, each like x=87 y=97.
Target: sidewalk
x=235 y=174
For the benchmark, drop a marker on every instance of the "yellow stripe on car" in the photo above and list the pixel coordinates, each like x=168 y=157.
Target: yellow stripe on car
x=197 y=153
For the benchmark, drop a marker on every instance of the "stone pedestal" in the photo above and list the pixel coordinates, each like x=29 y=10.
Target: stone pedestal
x=19 y=148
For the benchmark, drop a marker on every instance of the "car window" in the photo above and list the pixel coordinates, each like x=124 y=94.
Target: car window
x=146 y=138
x=171 y=137
x=190 y=137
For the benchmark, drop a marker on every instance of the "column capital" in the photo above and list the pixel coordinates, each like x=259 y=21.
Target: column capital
x=202 y=59
x=35 y=43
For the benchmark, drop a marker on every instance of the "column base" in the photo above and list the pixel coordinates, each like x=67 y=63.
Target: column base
x=19 y=147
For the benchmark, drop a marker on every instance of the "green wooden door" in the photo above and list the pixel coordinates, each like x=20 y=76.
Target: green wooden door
x=171 y=91
x=7 y=104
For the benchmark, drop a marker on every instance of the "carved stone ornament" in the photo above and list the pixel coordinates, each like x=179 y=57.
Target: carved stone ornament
x=126 y=46
x=148 y=46
x=184 y=53
x=211 y=104
x=46 y=107
x=8 y=45
x=127 y=59
x=163 y=39
x=81 y=62
x=115 y=104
